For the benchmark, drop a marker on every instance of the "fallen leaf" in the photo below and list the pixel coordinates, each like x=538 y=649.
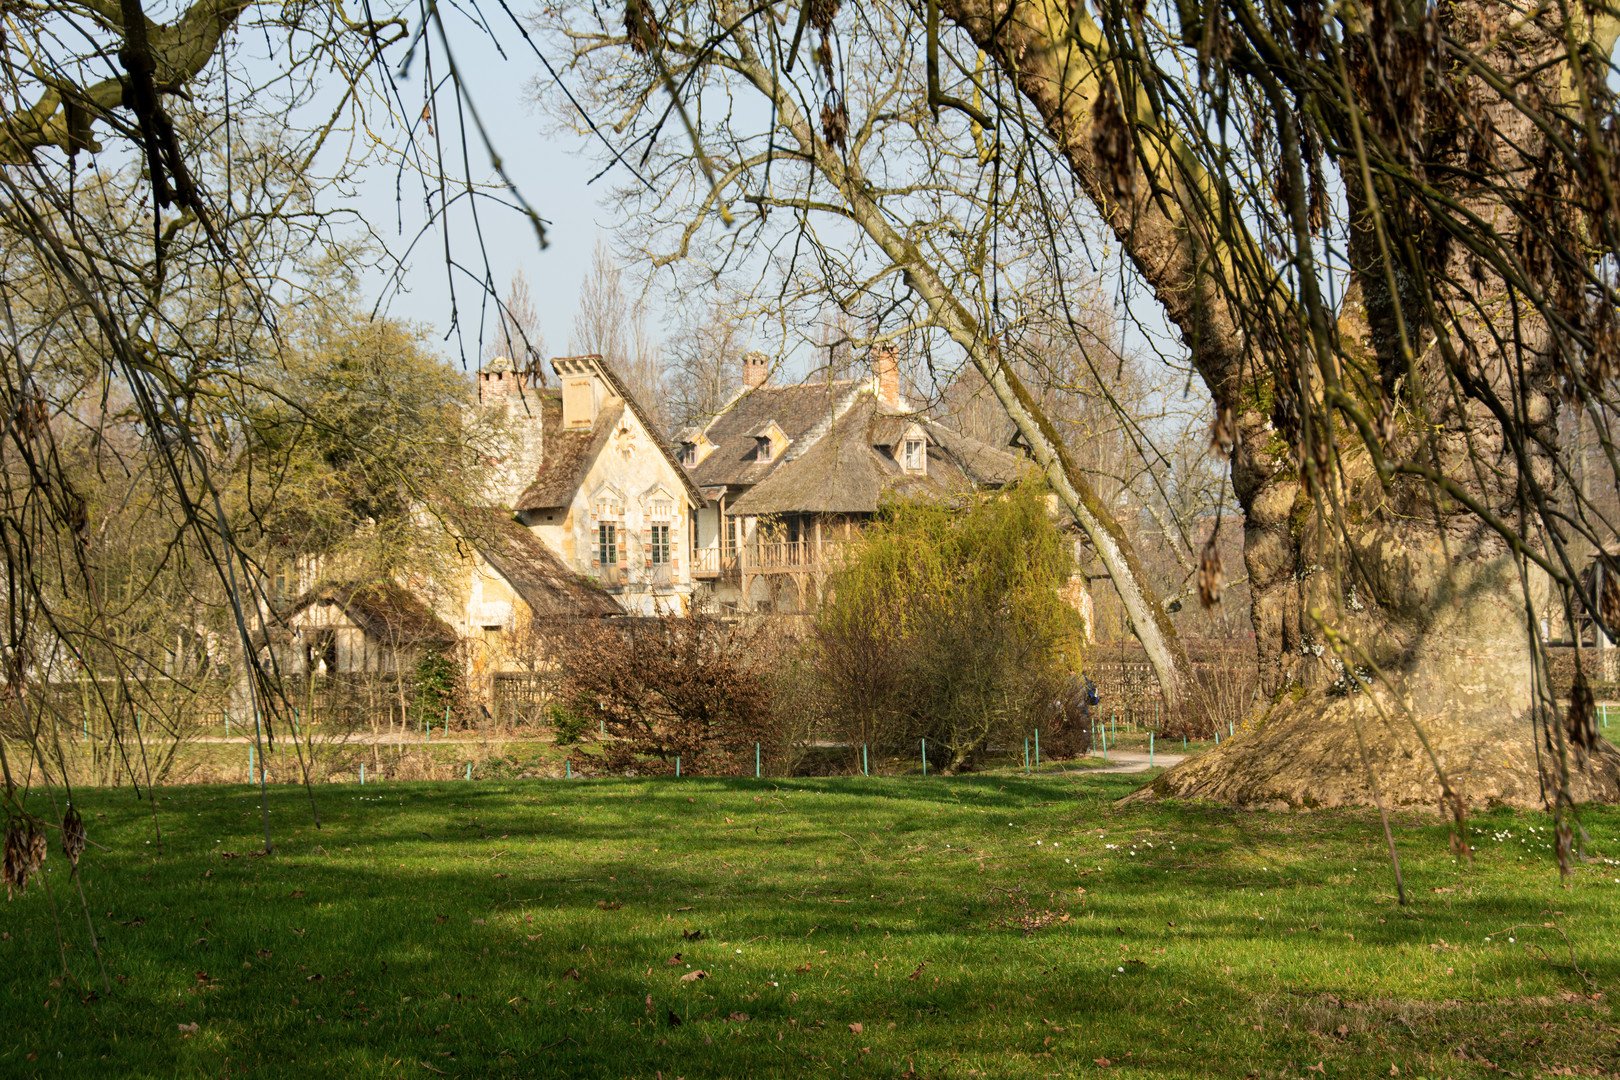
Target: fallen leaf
x=694 y=976
x=573 y=973
x=674 y=961
x=609 y=905
x=317 y=977
x=299 y=930
x=856 y=1028
x=478 y=922
x=265 y=954
x=738 y=1018
x=674 y=1021
x=189 y=1029
x=649 y=1003
x=1102 y=1063
x=913 y=975
x=692 y=935
x=298 y=894
x=803 y=967
x=1316 y=1068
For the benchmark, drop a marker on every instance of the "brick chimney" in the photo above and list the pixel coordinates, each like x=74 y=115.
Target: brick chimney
x=496 y=379
x=756 y=368
x=886 y=368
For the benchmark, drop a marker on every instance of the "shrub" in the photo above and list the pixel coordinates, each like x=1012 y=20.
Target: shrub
x=673 y=686
x=569 y=722
x=946 y=623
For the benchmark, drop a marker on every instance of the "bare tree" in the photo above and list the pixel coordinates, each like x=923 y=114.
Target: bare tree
x=705 y=363
x=518 y=335
x=613 y=325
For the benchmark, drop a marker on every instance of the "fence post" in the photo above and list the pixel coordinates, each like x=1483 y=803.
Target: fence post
x=864 y=770
x=362 y=774
x=677 y=766
x=469 y=770
x=1037 y=748
x=756 y=761
x=925 y=756
x=1026 y=755
x=1150 y=749
x=1231 y=731
x=568 y=769
x=250 y=763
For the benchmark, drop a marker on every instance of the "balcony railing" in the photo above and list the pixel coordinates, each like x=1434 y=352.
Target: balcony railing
x=765 y=557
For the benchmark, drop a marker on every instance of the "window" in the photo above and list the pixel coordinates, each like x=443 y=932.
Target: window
x=607 y=545
x=762 y=448
x=731 y=534
x=659 y=556
x=492 y=642
x=688 y=454
x=914 y=461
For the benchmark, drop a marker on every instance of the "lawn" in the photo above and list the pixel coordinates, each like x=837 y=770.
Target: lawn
x=984 y=926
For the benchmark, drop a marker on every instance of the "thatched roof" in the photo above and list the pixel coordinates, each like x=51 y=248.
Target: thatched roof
x=852 y=468
x=803 y=413
x=534 y=571
x=385 y=610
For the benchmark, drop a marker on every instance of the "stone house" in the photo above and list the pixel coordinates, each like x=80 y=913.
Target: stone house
x=789 y=473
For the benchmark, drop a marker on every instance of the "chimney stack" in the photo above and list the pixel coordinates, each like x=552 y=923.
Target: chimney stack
x=886 y=366
x=756 y=368
x=496 y=379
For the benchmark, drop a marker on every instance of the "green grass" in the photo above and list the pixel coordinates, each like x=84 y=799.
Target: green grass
x=522 y=928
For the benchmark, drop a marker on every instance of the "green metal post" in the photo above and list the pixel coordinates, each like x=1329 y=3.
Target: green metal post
x=447 y=721
x=925 y=756
x=362 y=774
x=1026 y=756
x=865 y=771
x=250 y=763
x=756 y=761
x=568 y=769
x=1150 y=749
x=677 y=766
x=1037 y=748
x=469 y=770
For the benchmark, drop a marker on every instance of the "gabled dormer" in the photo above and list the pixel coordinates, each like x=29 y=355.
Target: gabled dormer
x=769 y=441
x=692 y=446
x=911 y=450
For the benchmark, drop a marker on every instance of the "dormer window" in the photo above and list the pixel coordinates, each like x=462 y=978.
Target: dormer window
x=769 y=441
x=915 y=456
x=689 y=454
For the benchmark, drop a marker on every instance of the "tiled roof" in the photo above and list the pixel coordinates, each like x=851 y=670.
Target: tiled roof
x=802 y=412
x=534 y=571
x=385 y=610
x=566 y=456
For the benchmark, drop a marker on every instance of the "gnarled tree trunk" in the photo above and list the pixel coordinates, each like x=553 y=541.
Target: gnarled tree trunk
x=1397 y=571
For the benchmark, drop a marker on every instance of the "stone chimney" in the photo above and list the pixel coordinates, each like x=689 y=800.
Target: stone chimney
x=886 y=369
x=496 y=379
x=756 y=368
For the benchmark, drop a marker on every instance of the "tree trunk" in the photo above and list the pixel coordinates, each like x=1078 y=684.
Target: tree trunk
x=1395 y=575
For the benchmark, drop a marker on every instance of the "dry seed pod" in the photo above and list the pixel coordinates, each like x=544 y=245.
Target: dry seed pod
x=24 y=852
x=73 y=835
x=1111 y=142
x=1578 y=717
x=1221 y=438
x=1210 y=578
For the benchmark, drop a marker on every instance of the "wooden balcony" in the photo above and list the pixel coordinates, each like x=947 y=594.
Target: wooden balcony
x=766 y=557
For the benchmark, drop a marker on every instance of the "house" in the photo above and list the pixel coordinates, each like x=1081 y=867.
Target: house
x=514 y=584
x=593 y=479
x=789 y=473
x=353 y=628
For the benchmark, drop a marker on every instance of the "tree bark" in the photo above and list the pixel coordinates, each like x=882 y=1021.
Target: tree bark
x=1396 y=575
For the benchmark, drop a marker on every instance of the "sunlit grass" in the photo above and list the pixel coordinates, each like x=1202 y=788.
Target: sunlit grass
x=530 y=928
